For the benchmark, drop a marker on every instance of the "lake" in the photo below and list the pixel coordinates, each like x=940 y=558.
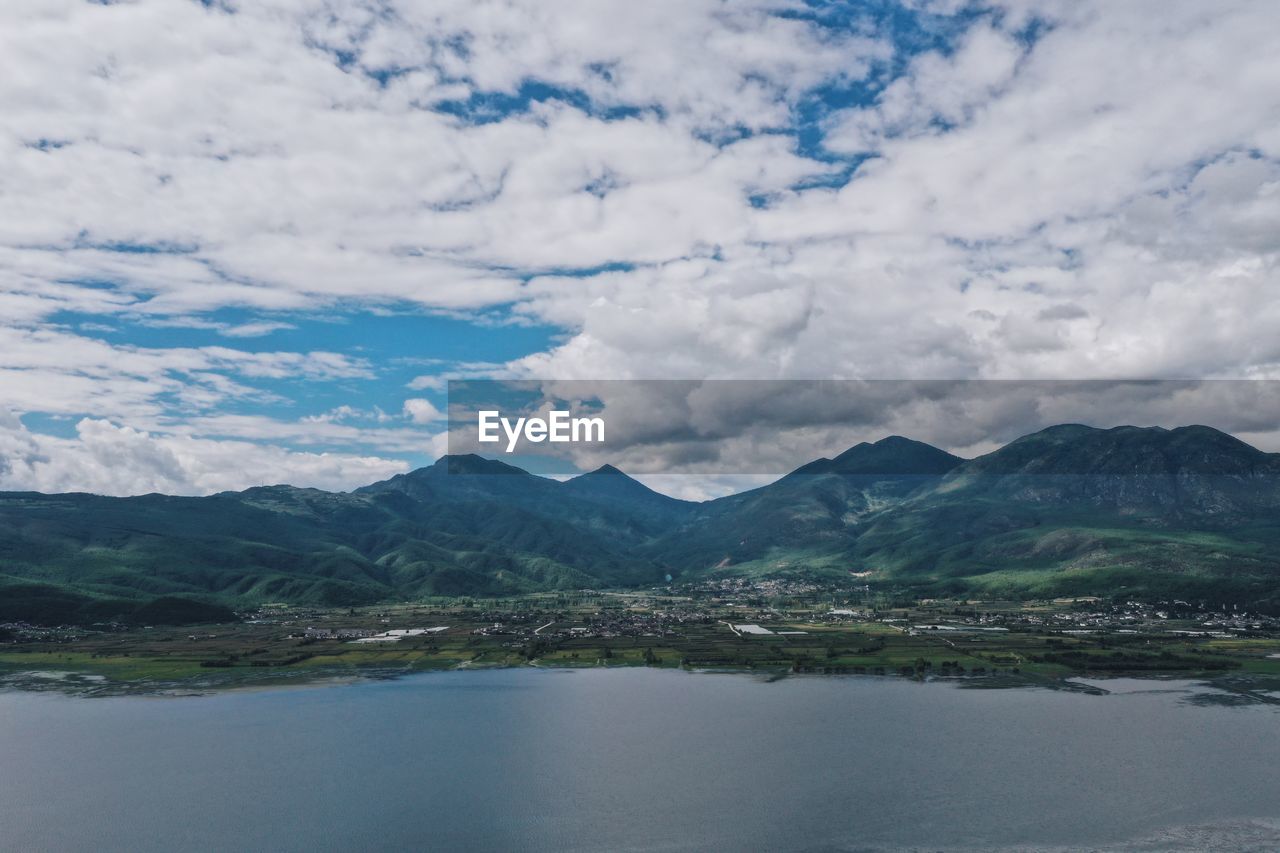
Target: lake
x=641 y=759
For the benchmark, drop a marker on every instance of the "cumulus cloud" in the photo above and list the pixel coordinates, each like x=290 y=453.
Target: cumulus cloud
x=108 y=458
x=421 y=411
x=1124 y=163
x=685 y=188
x=275 y=154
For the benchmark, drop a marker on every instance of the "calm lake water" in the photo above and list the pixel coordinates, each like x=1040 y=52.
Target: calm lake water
x=640 y=760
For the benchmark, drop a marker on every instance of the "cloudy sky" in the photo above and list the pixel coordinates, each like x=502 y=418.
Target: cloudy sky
x=247 y=242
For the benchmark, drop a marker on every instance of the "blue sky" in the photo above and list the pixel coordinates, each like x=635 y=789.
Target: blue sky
x=400 y=344
x=249 y=242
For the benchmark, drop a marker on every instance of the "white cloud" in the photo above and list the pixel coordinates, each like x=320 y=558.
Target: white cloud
x=1101 y=202
x=327 y=430
x=106 y=458
x=241 y=330
x=1126 y=164
x=51 y=370
x=270 y=177
x=253 y=330
x=936 y=89
x=427 y=383
x=421 y=411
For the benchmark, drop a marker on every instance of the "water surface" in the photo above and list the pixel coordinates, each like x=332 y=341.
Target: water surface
x=640 y=759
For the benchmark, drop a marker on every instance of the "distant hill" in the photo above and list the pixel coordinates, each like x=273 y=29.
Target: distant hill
x=1188 y=512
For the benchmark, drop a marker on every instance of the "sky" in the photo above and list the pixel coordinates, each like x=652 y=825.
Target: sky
x=250 y=242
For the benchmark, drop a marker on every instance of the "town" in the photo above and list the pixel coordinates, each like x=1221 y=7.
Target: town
x=777 y=626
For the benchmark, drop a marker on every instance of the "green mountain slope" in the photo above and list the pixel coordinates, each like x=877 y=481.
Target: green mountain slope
x=463 y=526
x=1190 y=512
x=807 y=520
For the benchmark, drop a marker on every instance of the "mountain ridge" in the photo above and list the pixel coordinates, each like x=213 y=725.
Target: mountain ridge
x=1070 y=508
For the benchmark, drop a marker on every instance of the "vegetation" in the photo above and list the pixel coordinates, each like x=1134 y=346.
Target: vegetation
x=599 y=629
x=41 y=604
x=1189 y=513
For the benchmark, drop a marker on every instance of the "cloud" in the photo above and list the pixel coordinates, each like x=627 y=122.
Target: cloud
x=326 y=156
x=1064 y=311
x=51 y=370
x=107 y=458
x=698 y=437
x=1124 y=162
x=683 y=188
x=329 y=430
x=937 y=94
x=254 y=330
x=421 y=411
x=335 y=415
x=241 y=330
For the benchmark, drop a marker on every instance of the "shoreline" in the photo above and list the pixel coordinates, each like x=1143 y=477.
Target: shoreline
x=1246 y=688
x=992 y=643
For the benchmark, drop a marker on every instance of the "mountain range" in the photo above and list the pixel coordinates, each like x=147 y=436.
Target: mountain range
x=1145 y=512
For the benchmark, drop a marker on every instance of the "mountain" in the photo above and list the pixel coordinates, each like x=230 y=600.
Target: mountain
x=894 y=456
x=605 y=502
x=1188 y=512
x=608 y=486
x=463 y=526
x=807 y=519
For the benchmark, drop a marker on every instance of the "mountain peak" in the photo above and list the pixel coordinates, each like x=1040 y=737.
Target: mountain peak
x=1057 y=434
x=1124 y=450
x=463 y=470
x=605 y=477
x=609 y=483
x=898 y=441
x=891 y=456
x=471 y=463
x=895 y=455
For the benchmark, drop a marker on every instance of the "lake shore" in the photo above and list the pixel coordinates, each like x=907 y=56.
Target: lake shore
x=993 y=643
